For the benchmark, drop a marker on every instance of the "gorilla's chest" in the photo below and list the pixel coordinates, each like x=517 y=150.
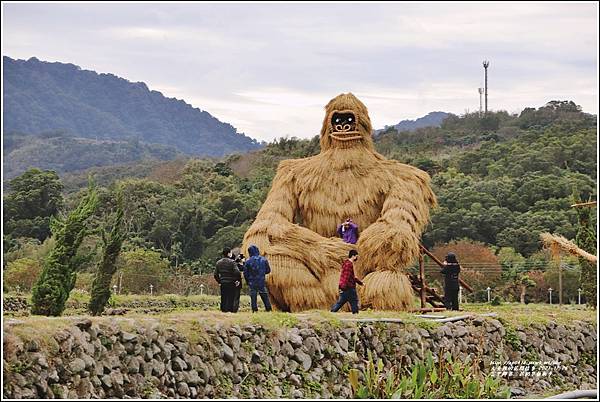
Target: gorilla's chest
x=329 y=197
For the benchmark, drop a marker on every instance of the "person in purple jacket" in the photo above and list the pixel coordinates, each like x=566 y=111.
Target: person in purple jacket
x=348 y=231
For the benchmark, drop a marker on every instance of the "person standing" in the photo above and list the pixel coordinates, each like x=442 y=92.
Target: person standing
x=347 y=284
x=451 y=271
x=255 y=270
x=239 y=262
x=348 y=231
x=230 y=278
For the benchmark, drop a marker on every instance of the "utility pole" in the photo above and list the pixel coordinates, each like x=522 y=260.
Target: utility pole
x=559 y=284
x=480 y=90
x=485 y=66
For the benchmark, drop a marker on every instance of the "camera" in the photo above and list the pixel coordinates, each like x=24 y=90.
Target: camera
x=239 y=258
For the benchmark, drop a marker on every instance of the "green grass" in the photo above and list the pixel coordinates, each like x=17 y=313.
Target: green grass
x=527 y=314
x=512 y=313
x=191 y=320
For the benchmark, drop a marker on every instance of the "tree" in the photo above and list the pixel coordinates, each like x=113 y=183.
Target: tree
x=21 y=274
x=35 y=197
x=59 y=272
x=539 y=291
x=586 y=240
x=229 y=236
x=490 y=122
x=142 y=268
x=112 y=248
x=479 y=266
x=523 y=281
x=570 y=278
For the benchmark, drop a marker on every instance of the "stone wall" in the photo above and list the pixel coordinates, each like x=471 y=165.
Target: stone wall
x=19 y=305
x=13 y=304
x=114 y=357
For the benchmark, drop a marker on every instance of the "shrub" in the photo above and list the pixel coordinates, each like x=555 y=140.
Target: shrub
x=84 y=281
x=480 y=268
x=22 y=274
x=142 y=268
x=184 y=282
x=444 y=379
x=29 y=248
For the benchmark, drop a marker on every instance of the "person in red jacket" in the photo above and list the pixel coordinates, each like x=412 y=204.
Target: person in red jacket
x=348 y=284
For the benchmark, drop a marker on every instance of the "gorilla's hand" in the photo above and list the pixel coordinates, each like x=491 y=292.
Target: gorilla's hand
x=386 y=247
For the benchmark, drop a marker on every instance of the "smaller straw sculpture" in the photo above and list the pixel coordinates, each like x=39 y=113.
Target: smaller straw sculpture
x=555 y=242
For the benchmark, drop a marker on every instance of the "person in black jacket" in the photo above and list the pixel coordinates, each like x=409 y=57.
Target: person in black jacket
x=239 y=262
x=229 y=277
x=451 y=271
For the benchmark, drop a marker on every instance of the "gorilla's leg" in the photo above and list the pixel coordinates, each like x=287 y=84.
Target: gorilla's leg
x=292 y=286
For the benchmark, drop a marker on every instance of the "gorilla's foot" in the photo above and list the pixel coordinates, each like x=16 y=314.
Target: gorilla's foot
x=386 y=290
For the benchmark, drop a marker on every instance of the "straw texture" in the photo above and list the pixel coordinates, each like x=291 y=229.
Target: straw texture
x=556 y=243
x=296 y=226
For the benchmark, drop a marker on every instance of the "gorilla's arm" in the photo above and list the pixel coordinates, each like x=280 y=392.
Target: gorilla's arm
x=392 y=242
x=274 y=232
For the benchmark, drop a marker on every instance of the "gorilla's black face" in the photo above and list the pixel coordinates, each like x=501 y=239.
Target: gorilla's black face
x=343 y=122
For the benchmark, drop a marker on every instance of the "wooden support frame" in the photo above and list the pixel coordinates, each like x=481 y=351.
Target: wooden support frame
x=426 y=293
x=438 y=262
x=428 y=310
x=584 y=204
x=422 y=278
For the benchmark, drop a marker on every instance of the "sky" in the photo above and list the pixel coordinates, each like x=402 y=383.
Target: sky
x=269 y=69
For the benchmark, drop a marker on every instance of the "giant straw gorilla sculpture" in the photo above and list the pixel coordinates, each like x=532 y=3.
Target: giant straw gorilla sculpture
x=296 y=226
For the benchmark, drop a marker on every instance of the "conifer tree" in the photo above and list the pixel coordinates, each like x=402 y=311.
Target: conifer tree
x=57 y=279
x=111 y=249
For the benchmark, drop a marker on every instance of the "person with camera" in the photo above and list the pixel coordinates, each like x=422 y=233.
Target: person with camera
x=451 y=271
x=239 y=262
x=347 y=285
x=348 y=231
x=229 y=277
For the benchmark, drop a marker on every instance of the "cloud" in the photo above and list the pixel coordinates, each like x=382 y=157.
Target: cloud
x=269 y=69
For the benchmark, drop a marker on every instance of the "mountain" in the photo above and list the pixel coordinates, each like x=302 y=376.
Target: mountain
x=432 y=119
x=64 y=153
x=41 y=97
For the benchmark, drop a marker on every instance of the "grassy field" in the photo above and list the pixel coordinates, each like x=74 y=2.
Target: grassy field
x=206 y=308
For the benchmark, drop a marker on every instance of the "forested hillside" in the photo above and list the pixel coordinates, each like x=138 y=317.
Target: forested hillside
x=40 y=97
x=500 y=181
x=432 y=119
x=64 y=153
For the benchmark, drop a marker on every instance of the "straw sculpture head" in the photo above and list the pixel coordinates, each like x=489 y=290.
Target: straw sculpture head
x=296 y=227
x=346 y=123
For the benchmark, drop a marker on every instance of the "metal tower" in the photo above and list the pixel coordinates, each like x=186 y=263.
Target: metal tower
x=480 y=100
x=485 y=66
